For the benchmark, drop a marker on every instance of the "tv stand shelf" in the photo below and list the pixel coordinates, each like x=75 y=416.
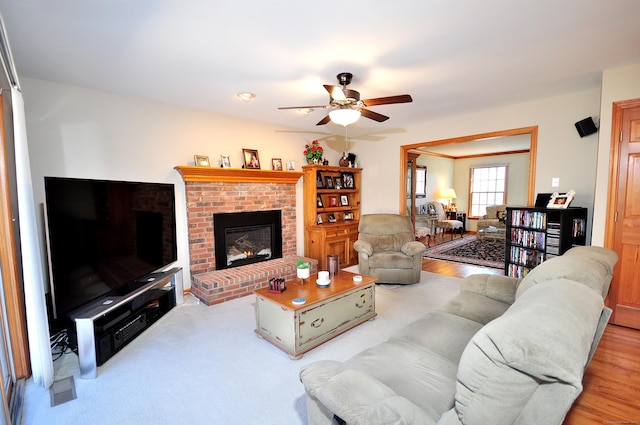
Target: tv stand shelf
x=108 y=324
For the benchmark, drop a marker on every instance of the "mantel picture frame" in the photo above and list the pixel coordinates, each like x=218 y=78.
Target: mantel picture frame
x=251 y=159
x=201 y=160
x=561 y=200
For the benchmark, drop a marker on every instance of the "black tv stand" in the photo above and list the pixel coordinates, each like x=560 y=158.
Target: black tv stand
x=108 y=324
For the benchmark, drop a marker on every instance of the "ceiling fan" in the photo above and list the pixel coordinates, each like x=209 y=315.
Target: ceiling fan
x=346 y=106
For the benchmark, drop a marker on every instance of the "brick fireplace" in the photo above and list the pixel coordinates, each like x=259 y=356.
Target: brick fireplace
x=223 y=190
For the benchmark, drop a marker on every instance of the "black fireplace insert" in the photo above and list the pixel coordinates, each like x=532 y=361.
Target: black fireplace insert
x=247 y=237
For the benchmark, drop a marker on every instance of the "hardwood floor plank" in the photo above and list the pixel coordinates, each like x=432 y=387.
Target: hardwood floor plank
x=611 y=393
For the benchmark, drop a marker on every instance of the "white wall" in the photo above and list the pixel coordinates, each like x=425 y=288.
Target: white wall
x=75 y=132
x=617 y=85
x=561 y=152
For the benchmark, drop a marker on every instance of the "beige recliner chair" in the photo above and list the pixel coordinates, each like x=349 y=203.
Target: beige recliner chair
x=387 y=249
x=494 y=217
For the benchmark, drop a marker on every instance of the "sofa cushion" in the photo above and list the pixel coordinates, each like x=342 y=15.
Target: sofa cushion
x=527 y=365
x=441 y=333
x=422 y=377
x=578 y=268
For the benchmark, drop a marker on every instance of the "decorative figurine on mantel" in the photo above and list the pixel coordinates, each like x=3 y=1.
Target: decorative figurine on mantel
x=348 y=160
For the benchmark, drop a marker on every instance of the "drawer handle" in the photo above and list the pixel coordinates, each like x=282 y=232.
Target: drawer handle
x=364 y=303
x=317 y=323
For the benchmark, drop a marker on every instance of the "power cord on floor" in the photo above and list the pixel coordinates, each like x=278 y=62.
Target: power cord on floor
x=60 y=344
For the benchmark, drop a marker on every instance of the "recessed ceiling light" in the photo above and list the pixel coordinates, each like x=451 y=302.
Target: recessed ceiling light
x=246 y=96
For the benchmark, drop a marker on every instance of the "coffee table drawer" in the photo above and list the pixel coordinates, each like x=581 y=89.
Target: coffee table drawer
x=326 y=320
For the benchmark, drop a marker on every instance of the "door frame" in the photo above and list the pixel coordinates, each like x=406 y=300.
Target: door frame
x=614 y=163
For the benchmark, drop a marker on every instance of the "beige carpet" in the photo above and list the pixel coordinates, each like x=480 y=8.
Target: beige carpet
x=205 y=365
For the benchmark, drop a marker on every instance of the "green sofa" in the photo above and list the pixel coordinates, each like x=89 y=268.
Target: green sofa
x=503 y=351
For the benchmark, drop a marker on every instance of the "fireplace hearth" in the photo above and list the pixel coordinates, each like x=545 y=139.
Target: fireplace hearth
x=247 y=237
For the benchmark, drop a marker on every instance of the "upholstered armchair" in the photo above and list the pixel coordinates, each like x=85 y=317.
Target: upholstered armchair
x=441 y=219
x=387 y=249
x=494 y=217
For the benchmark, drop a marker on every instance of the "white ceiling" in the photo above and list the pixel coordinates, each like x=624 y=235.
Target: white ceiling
x=452 y=56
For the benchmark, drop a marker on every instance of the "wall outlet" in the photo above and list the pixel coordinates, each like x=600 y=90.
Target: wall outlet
x=555 y=182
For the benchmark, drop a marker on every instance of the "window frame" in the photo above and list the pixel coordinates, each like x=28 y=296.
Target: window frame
x=504 y=192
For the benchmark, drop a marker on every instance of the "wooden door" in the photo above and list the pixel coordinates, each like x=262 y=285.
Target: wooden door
x=625 y=287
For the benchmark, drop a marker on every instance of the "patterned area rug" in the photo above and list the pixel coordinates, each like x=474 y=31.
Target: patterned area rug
x=469 y=250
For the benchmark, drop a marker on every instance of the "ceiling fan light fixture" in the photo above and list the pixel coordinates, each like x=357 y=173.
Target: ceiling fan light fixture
x=305 y=111
x=344 y=116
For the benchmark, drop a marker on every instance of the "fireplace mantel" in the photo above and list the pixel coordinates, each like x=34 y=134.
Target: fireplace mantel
x=214 y=174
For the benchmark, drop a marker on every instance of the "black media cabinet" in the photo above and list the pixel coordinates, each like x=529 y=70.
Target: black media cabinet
x=108 y=324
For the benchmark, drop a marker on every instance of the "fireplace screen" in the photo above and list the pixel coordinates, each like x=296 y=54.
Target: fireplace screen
x=248 y=237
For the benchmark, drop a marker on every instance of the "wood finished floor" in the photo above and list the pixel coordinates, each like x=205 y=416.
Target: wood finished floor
x=611 y=393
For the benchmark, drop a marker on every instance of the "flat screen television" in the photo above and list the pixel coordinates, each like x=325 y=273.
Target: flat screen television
x=103 y=238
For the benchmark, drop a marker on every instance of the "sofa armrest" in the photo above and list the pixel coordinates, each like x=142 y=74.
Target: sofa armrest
x=358 y=398
x=500 y=288
x=413 y=248
x=363 y=247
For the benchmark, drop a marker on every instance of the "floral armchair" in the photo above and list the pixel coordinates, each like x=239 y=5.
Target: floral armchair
x=441 y=219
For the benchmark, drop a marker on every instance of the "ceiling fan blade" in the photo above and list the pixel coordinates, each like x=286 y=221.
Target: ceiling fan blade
x=335 y=92
x=373 y=115
x=324 y=120
x=402 y=98
x=303 y=107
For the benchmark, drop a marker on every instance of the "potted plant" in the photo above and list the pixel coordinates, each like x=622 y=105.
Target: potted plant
x=303 y=269
x=313 y=152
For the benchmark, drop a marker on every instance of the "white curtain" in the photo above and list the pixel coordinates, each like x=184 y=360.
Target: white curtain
x=36 y=308
x=32 y=269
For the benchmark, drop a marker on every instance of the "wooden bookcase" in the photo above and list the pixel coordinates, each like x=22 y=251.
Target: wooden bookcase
x=534 y=235
x=331 y=213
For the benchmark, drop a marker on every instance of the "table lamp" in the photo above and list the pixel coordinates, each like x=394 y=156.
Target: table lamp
x=449 y=194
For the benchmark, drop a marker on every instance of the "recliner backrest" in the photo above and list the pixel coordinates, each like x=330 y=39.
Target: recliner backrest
x=386 y=232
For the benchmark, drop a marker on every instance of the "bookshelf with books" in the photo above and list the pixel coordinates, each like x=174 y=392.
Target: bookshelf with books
x=534 y=235
x=331 y=213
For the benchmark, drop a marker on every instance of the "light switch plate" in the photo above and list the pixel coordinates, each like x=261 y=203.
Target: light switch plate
x=555 y=182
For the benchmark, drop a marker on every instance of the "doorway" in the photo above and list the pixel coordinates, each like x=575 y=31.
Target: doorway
x=493 y=143
x=623 y=214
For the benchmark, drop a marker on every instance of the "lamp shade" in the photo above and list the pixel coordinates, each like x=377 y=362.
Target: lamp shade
x=448 y=194
x=344 y=116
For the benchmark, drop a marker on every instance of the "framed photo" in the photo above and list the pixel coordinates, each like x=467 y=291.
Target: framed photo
x=225 y=161
x=319 y=203
x=344 y=200
x=251 y=159
x=328 y=182
x=319 y=183
x=337 y=183
x=347 y=181
x=561 y=201
x=201 y=160
x=291 y=166
x=348 y=215
x=333 y=201
x=332 y=218
x=276 y=164
x=319 y=219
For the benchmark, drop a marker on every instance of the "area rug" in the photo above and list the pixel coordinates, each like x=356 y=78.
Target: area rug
x=469 y=250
